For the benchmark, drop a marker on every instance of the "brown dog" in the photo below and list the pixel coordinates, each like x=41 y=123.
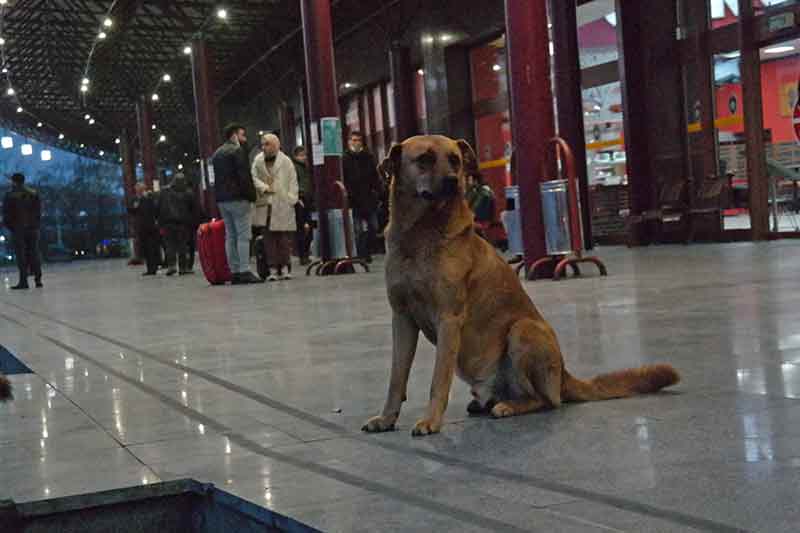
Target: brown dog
x=444 y=280
x=5 y=389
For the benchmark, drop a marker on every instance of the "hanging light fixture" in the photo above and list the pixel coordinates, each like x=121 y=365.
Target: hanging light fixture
x=91 y=121
x=7 y=143
x=117 y=140
x=166 y=78
x=102 y=35
x=222 y=13
x=154 y=97
x=10 y=91
x=60 y=136
x=27 y=149
x=38 y=124
x=187 y=50
x=108 y=22
x=47 y=155
x=19 y=110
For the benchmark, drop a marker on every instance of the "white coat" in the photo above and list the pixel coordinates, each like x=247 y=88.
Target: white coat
x=277 y=189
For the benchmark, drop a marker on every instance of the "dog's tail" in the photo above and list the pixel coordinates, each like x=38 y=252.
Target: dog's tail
x=621 y=384
x=5 y=389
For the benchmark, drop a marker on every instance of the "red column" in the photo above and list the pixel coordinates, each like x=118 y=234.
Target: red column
x=570 y=100
x=144 y=111
x=757 y=175
x=532 y=120
x=322 y=102
x=129 y=185
x=208 y=130
x=403 y=86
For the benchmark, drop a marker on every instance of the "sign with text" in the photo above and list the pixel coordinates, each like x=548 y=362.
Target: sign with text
x=331 y=136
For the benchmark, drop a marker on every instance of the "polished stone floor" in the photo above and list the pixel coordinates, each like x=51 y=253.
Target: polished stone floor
x=263 y=391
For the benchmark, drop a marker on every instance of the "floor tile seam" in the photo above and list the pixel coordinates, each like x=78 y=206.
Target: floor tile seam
x=85 y=413
x=553 y=486
x=456 y=513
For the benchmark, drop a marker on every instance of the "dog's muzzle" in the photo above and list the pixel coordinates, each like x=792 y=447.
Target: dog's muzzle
x=425 y=187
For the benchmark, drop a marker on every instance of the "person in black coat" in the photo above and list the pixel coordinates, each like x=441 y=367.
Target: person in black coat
x=176 y=216
x=22 y=215
x=364 y=190
x=144 y=208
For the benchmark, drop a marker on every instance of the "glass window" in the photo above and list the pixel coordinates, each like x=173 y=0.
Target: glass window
x=724 y=12
x=762 y=5
x=83 y=210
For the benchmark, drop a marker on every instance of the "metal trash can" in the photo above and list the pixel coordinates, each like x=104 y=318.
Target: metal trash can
x=555 y=213
x=336 y=228
x=512 y=221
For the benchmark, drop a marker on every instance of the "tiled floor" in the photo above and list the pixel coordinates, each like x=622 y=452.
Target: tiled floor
x=263 y=390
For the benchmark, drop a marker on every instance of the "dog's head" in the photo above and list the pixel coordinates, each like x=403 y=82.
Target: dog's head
x=428 y=168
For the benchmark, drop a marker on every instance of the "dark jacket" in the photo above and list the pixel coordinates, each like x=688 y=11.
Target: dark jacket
x=305 y=183
x=362 y=181
x=145 y=210
x=176 y=205
x=232 y=180
x=22 y=209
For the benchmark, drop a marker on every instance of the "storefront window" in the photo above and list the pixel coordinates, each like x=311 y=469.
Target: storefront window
x=729 y=122
x=780 y=75
x=724 y=12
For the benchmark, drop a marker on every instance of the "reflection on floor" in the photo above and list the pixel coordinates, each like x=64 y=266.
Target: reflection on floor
x=262 y=391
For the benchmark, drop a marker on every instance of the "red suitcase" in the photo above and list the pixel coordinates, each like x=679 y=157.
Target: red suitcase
x=211 y=248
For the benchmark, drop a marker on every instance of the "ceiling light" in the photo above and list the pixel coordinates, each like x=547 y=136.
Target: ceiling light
x=497 y=68
x=10 y=91
x=108 y=22
x=7 y=142
x=120 y=160
x=348 y=85
x=19 y=110
x=84 y=88
x=166 y=78
x=3 y=2
x=2 y=41
x=27 y=149
x=87 y=116
x=180 y=167
x=445 y=37
x=85 y=81
x=102 y=35
x=102 y=153
x=47 y=155
x=187 y=50
x=83 y=145
x=778 y=49
x=154 y=97
x=117 y=141
x=38 y=124
x=162 y=138
x=60 y=136
x=5 y=70
x=91 y=121
x=153 y=127
x=222 y=13
x=421 y=72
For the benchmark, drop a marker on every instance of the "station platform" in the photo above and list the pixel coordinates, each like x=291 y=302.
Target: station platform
x=262 y=390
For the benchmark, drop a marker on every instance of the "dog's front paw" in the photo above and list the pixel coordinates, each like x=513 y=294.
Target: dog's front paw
x=379 y=424
x=503 y=410
x=426 y=427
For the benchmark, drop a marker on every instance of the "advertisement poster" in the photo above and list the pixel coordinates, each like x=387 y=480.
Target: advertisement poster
x=332 y=136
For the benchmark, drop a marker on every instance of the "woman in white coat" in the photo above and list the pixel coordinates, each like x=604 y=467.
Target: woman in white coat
x=275 y=177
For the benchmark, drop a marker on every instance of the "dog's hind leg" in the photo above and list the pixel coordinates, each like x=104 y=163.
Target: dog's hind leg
x=517 y=407
x=536 y=358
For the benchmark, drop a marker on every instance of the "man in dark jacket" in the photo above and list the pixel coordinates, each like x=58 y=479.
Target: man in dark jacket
x=363 y=187
x=176 y=214
x=305 y=205
x=22 y=214
x=144 y=208
x=235 y=192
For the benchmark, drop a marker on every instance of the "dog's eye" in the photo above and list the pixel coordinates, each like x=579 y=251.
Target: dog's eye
x=455 y=161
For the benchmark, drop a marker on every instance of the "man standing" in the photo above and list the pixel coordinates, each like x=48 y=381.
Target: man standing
x=145 y=211
x=235 y=192
x=274 y=175
x=22 y=214
x=363 y=187
x=176 y=214
x=304 y=206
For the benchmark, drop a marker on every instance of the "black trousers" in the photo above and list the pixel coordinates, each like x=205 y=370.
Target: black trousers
x=29 y=259
x=302 y=239
x=150 y=241
x=177 y=241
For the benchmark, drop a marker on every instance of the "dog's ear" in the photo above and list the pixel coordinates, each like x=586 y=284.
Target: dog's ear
x=390 y=166
x=467 y=153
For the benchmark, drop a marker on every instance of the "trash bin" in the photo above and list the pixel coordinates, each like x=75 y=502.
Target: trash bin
x=512 y=221
x=555 y=214
x=336 y=229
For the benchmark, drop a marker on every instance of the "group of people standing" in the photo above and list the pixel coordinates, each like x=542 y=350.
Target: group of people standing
x=271 y=195
x=167 y=219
